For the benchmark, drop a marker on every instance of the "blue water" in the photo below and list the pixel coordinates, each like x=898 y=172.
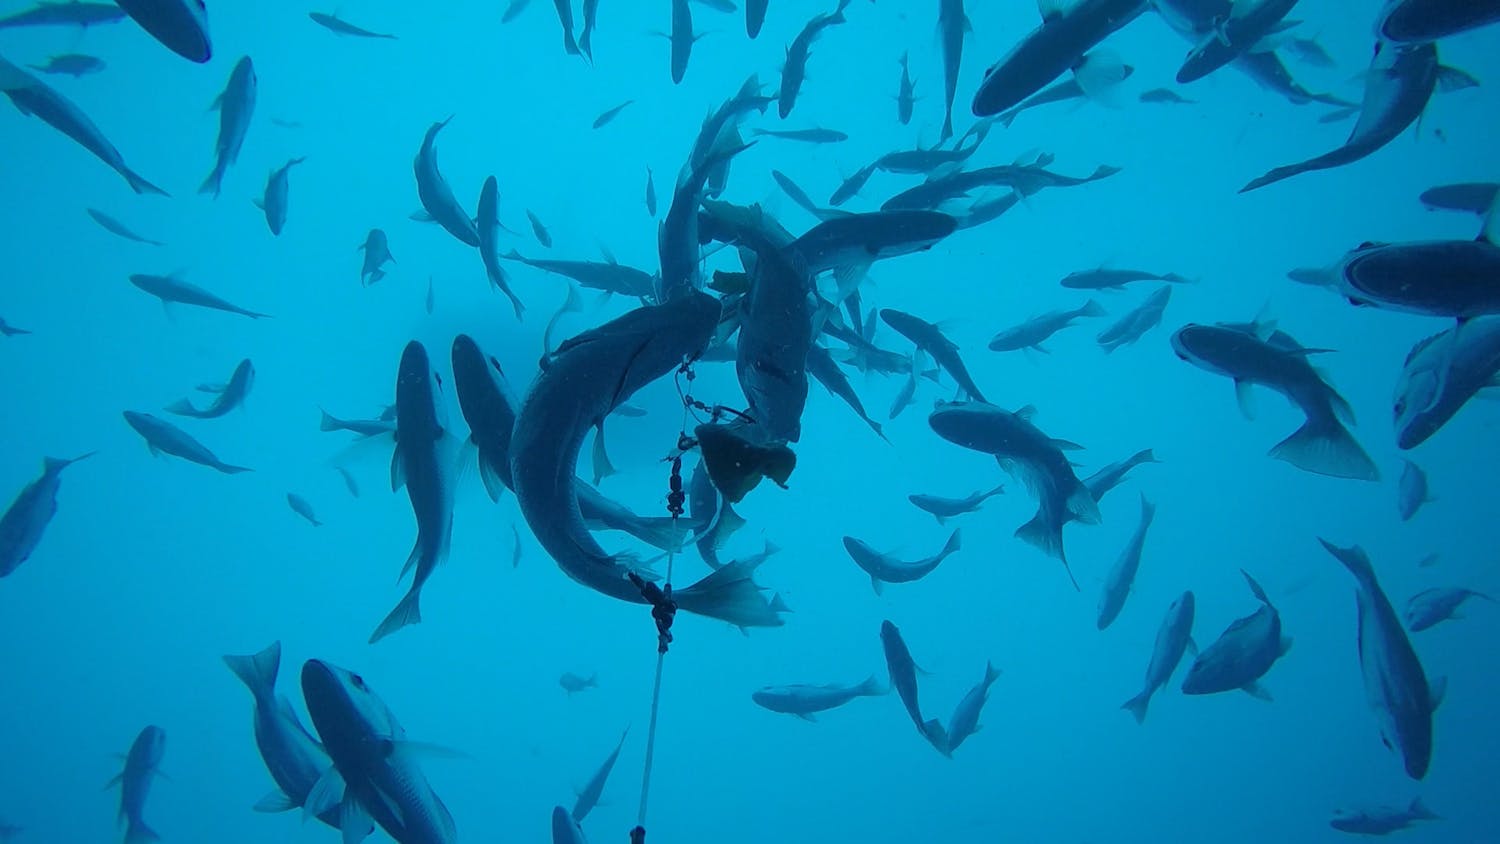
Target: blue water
x=154 y=568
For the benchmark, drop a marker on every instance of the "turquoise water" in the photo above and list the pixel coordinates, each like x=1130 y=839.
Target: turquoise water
x=154 y=568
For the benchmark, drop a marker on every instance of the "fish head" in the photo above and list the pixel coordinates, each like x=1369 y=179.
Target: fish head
x=971 y=424
x=149 y=748
x=417 y=390
x=349 y=717
x=1211 y=347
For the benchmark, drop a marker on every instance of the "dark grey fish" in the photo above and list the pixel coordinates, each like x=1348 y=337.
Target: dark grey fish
x=903 y=673
x=542 y=235
x=707 y=507
x=574 y=683
x=113 y=226
x=1397 y=87
x=607 y=276
x=1473 y=197
x=952 y=26
x=26 y=519
x=291 y=755
x=1121 y=577
x=852 y=185
x=857 y=240
x=228 y=396
x=236 y=106
x=1425 y=21
x=677 y=241
x=1381 y=820
x=794 y=70
x=964 y=721
x=489 y=408
x=805 y=701
x=755 y=16
x=1173 y=638
x=822 y=366
x=170 y=289
x=681 y=38
x=301 y=507
x=142 y=765
x=363 y=427
x=1112 y=475
x=1236 y=35
x=929 y=338
x=34 y=98
x=588 y=796
x=1396 y=687
x=810 y=136
x=64 y=13
x=180 y=25
x=650 y=193
x=377 y=249
x=1431 y=606
x=164 y=437
x=1411 y=492
x=590 y=19
x=420 y=463
x=610 y=114
x=374 y=773
x=1164 y=95
x=349 y=482
x=8 y=330
x=1032 y=333
x=1250 y=356
x=565 y=17
x=1066 y=34
x=1109 y=279
x=487 y=229
x=1103 y=72
x=884 y=568
x=1242 y=654
x=1309 y=51
x=1139 y=320
x=437 y=197
x=1032 y=457
x=776 y=336
x=947 y=508
x=1441 y=374
x=71 y=64
x=565 y=830
x=1458 y=279
x=514 y=9
x=906 y=97
x=918 y=162
x=339 y=26
x=278 y=189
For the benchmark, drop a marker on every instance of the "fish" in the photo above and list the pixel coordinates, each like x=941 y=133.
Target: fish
x=1431 y=606
x=1121 y=577
x=164 y=437
x=821 y=365
x=565 y=830
x=276 y=197
x=884 y=568
x=586 y=36
x=1035 y=331
x=1135 y=323
x=1242 y=654
x=852 y=185
x=170 y=289
x=349 y=482
x=1173 y=638
x=1111 y=279
x=228 y=396
x=930 y=339
x=573 y=683
x=113 y=226
x=179 y=25
x=964 y=721
x=8 y=330
x=1444 y=278
x=947 y=508
x=582 y=381
x=338 y=26
x=776 y=334
x=514 y=9
x=588 y=796
x=857 y=240
x=70 y=13
x=25 y=521
x=609 y=115
x=565 y=17
x=300 y=506
x=794 y=69
x=1110 y=476
x=805 y=700
x=1259 y=355
x=142 y=765
x=908 y=391
x=34 y=98
x=1381 y=820
x=608 y=276
x=1242 y=31
x=906 y=97
x=488 y=406
x=1031 y=456
x=1396 y=686
x=374 y=775
x=1094 y=78
x=377 y=250
x=291 y=755
x=650 y=193
x=953 y=24
x=487 y=229
x=437 y=197
x=755 y=16
x=681 y=38
x=1473 y=197
x=1411 y=493
x=542 y=236
x=72 y=64
x=515 y=551
x=903 y=673
x=809 y=136
x=707 y=507
x=420 y=463
x=236 y=106
x=1397 y=87
x=428 y=302
x=1441 y=374
x=1309 y=51
x=363 y=427
x=1425 y=21
x=725 y=6
x=1067 y=33
x=677 y=241
x=1165 y=95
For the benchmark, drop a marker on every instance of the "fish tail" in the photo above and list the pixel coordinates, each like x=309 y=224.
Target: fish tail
x=1323 y=446
x=138 y=833
x=140 y=185
x=1137 y=706
x=182 y=407
x=408 y=611
x=214 y=181
x=232 y=470
x=731 y=594
x=258 y=671
x=1044 y=532
x=1354 y=559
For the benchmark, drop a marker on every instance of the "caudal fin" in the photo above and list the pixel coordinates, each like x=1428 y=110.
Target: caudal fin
x=257 y=671
x=1325 y=447
x=731 y=594
x=1137 y=706
x=409 y=611
x=138 y=833
x=214 y=181
x=140 y=185
x=184 y=407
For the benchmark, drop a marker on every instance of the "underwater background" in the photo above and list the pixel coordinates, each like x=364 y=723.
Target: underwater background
x=154 y=568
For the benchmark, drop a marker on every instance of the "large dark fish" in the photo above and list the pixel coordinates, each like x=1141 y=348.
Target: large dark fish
x=1459 y=279
x=906 y=97
x=1441 y=374
x=170 y=289
x=420 y=463
x=681 y=38
x=180 y=25
x=228 y=396
x=1395 y=685
x=437 y=197
x=586 y=36
x=484 y=396
x=27 y=517
x=1432 y=606
x=236 y=106
x=1173 y=638
x=565 y=17
x=72 y=64
x=884 y=568
x=805 y=700
x=338 y=26
x=164 y=437
x=1473 y=197
x=1242 y=654
x=58 y=13
x=964 y=721
x=142 y=765
x=1247 y=24
x=1066 y=34
x=755 y=16
x=35 y=98
x=608 y=276
x=1424 y=21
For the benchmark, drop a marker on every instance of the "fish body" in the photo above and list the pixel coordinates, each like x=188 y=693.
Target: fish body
x=606 y=117
x=26 y=519
x=72 y=64
x=574 y=683
x=436 y=196
x=947 y=508
x=794 y=70
x=1066 y=34
x=1473 y=197
x=278 y=190
x=489 y=408
x=377 y=251
x=1111 y=279
x=180 y=25
x=1441 y=374
x=903 y=673
x=884 y=568
x=1121 y=577
x=1431 y=606
x=953 y=24
x=805 y=701
x=1238 y=34
x=1139 y=320
x=142 y=765
x=755 y=16
x=1446 y=278
x=228 y=396
x=1173 y=637
x=1425 y=21
x=929 y=338
x=487 y=228
x=1381 y=820
x=1411 y=492
x=64 y=13
x=236 y=107
x=588 y=796
x=113 y=226
x=1034 y=332
x=1242 y=654
x=964 y=721
x=170 y=289
x=301 y=507
x=906 y=97
x=338 y=26
x=164 y=437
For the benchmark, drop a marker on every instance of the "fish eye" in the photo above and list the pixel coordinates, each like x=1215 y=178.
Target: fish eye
x=358 y=681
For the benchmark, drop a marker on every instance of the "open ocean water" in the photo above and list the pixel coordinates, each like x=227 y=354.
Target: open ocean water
x=153 y=568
